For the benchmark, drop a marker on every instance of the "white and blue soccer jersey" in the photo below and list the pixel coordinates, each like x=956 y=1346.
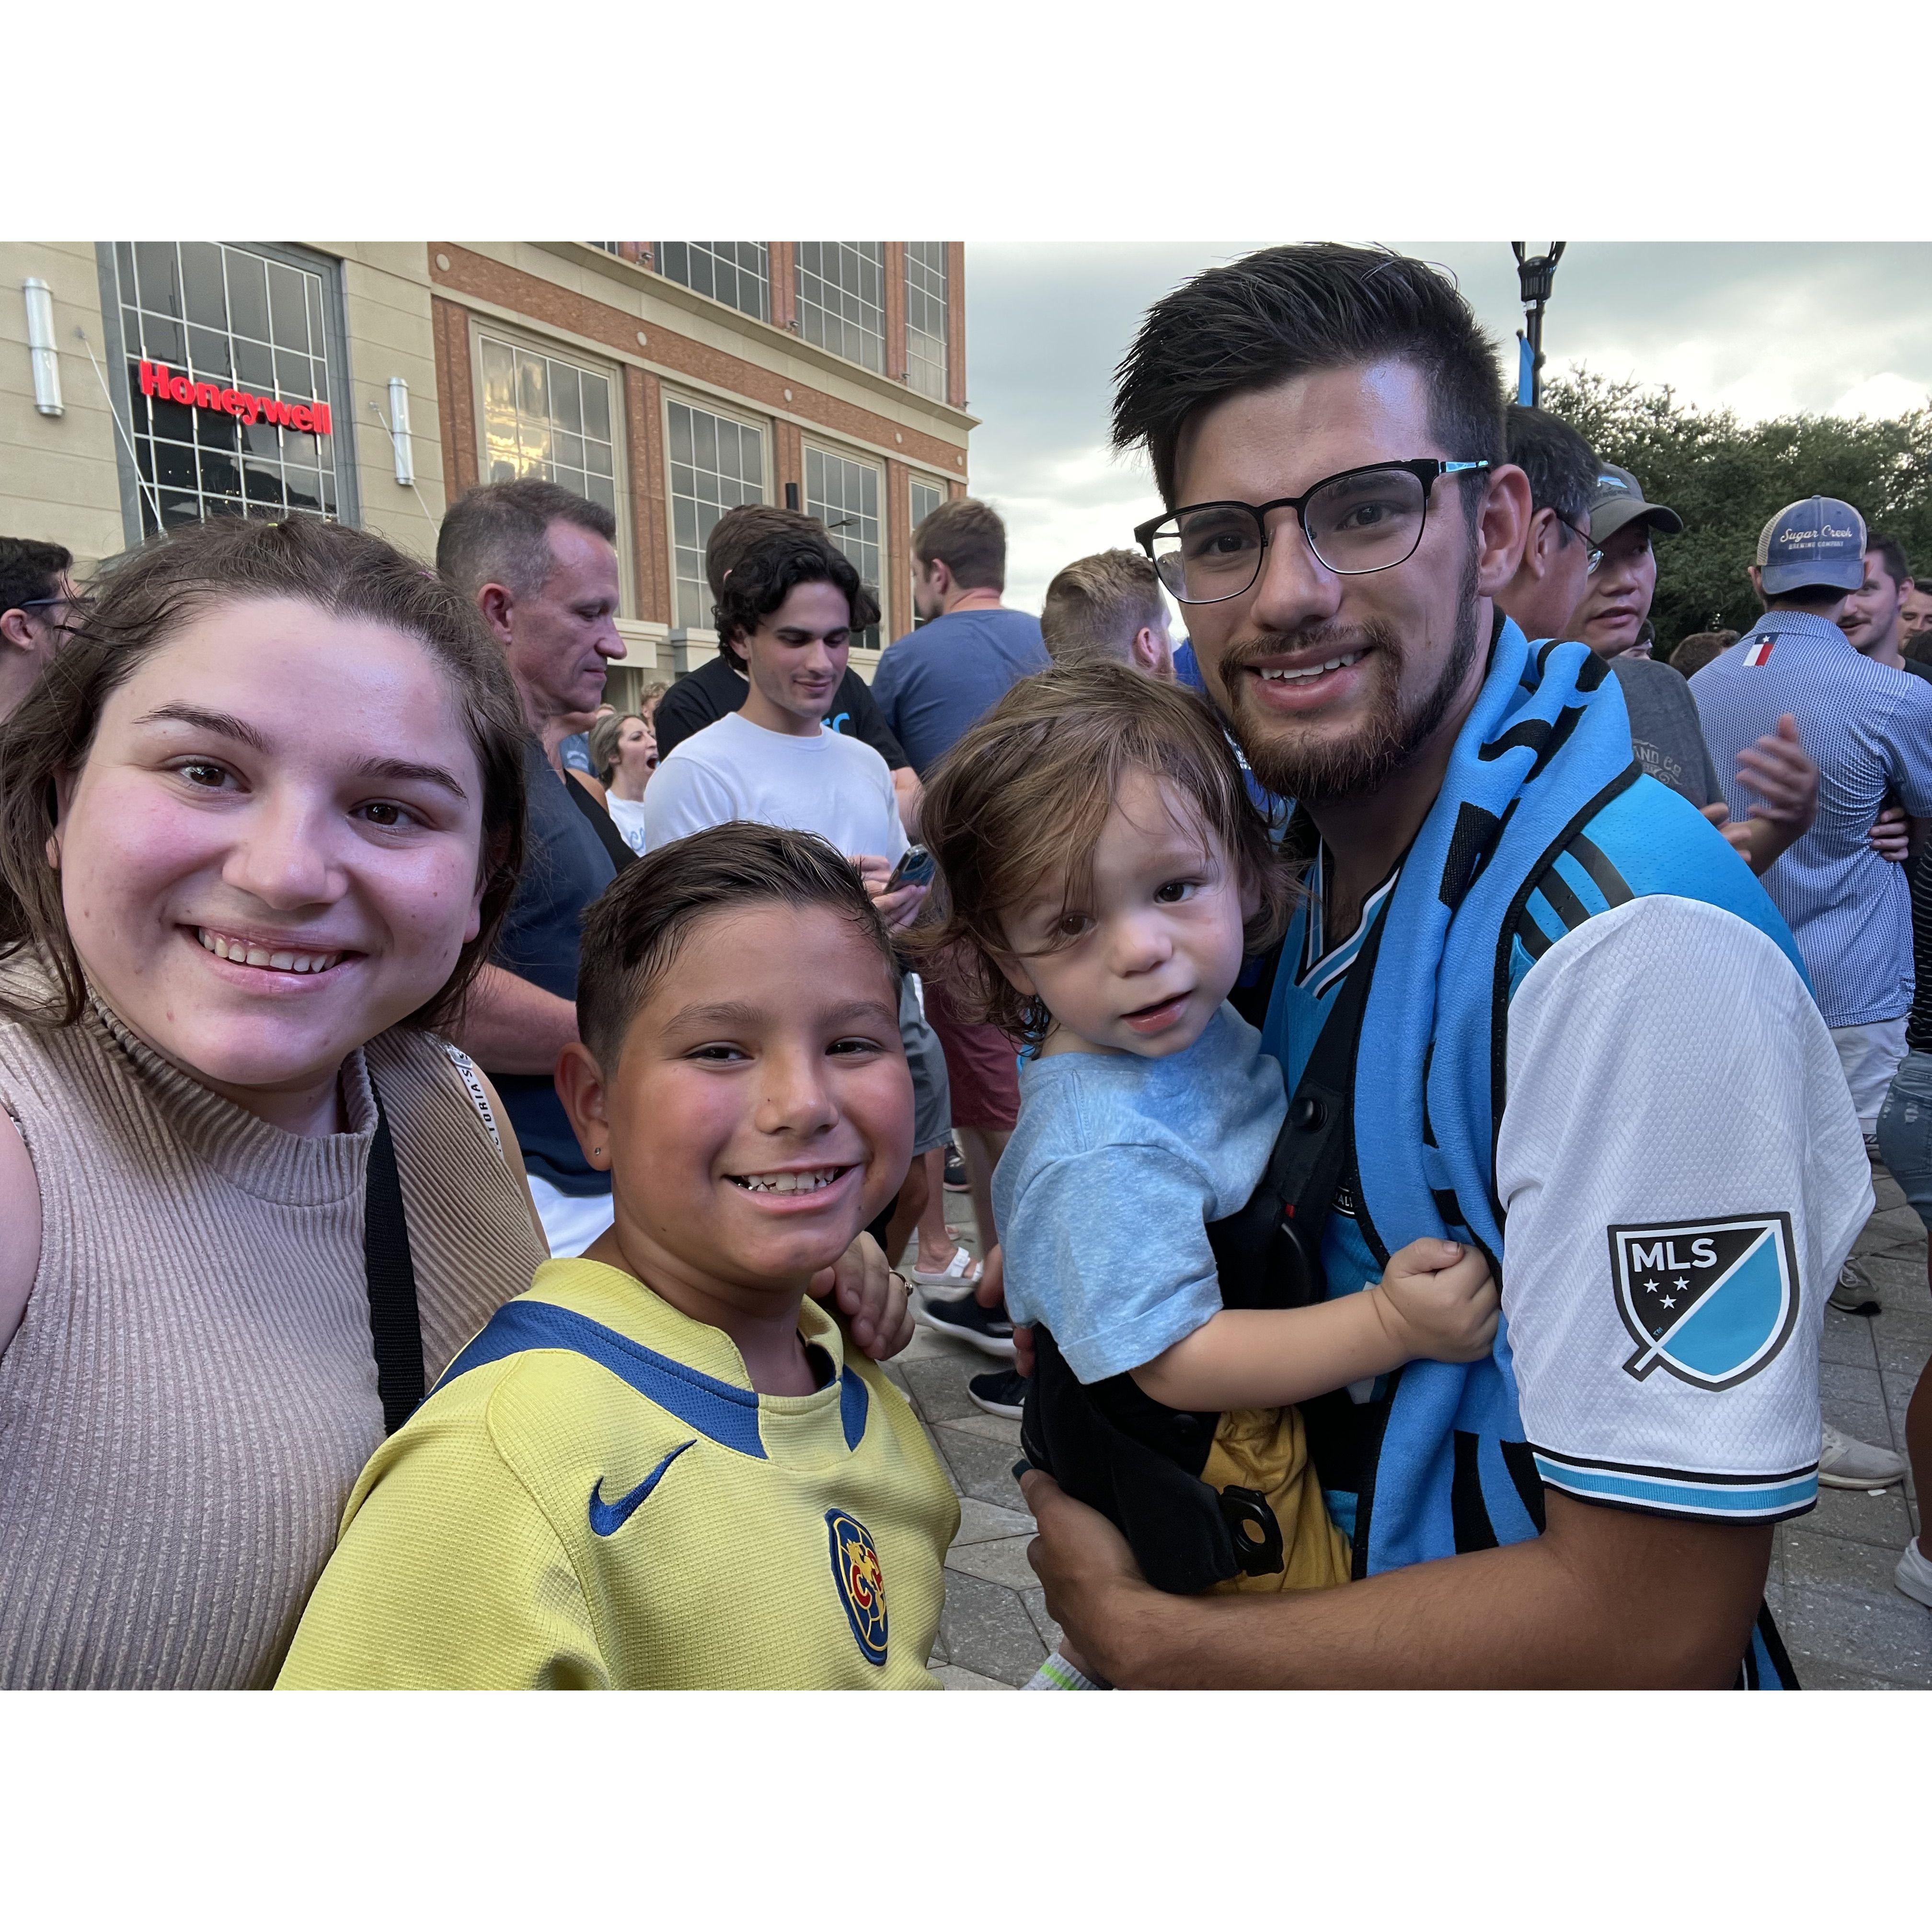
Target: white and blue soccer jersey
x=1679 y=1174
x=1869 y=728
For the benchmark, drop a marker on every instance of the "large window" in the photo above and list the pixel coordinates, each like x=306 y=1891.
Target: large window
x=736 y=273
x=845 y=496
x=232 y=405
x=926 y=497
x=716 y=463
x=548 y=418
x=842 y=298
x=925 y=317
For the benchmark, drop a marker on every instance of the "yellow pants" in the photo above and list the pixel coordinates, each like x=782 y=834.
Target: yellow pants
x=1265 y=1450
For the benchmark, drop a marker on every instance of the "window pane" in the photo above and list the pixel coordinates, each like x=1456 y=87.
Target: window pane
x=498 y=378
x=533 y=390
x=159 y=276
x=207 y=300
x=288 y=307
x=566 y=400
x=596 y=407
x=247 y=294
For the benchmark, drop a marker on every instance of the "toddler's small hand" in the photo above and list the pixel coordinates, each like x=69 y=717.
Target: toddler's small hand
x=1439 y=1301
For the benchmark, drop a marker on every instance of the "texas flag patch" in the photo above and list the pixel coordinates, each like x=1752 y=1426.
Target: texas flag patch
x=1759 y=651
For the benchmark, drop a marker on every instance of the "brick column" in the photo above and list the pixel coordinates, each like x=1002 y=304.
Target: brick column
x=780 y=260
x=896 y=591
x=896 y=310
x=787 y=461
x=955 y=324
x=455 y=397
x=649 y=500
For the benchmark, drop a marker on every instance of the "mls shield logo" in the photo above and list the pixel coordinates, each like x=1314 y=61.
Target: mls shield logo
x=1711 y=1301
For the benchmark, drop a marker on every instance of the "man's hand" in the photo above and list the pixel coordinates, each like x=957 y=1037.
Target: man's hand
x=1094 y=1587
x=871 y=1297
x=1891 y=835
x=898 y=909
x=1785 y=784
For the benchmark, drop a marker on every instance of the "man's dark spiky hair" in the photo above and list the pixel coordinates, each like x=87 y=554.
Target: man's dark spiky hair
x=1286 y=311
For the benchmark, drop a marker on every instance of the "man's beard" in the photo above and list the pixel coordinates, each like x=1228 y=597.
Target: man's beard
x=1317 y=770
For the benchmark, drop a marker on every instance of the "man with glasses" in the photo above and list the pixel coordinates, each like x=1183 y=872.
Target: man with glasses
x=39 y=607
x=1518 y=984
x=1550 y=584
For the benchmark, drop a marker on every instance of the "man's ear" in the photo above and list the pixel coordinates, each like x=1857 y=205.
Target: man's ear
x=1502 y=530
x=17 y=629
x=581 y=1086
x=496 y=602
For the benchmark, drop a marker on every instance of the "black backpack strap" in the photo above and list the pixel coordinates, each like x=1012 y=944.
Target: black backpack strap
x=395 y=1324
x=1268 y=1253
x=601 y=823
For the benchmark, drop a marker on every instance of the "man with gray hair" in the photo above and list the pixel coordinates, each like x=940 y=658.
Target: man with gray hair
x=1108 y=609
x=540 y=564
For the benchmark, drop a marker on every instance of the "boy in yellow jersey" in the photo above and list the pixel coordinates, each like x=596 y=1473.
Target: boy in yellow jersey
x=662 y=1468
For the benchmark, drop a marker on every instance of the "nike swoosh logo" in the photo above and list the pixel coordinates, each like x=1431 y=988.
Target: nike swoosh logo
x=607 y=1519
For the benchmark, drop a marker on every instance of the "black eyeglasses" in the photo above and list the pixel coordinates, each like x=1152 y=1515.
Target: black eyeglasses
x=76 y=610
x=1596 y=556
x=1360 y=520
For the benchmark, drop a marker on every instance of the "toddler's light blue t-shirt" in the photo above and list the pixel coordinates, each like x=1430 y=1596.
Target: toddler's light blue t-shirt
x=1105 y=1191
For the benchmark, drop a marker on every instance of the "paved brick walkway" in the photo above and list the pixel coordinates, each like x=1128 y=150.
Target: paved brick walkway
x=1831 y=1587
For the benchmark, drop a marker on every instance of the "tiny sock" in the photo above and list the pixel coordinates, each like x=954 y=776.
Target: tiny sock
x=1057 y=1674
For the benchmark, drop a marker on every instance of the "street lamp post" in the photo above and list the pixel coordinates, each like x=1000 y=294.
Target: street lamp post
x=1536 y=274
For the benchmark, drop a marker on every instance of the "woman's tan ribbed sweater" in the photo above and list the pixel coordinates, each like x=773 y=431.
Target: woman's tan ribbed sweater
x=192 y=1393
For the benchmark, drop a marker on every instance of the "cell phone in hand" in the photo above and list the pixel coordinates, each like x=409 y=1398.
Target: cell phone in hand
x=915 y=868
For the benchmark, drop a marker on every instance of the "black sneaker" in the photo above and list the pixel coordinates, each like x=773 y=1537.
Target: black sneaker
x=988 y=1329
x=1000 y=1392
x=956 y=1180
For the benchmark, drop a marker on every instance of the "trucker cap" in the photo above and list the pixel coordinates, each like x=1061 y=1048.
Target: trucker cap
x=1820 y=541
x=1619 y=500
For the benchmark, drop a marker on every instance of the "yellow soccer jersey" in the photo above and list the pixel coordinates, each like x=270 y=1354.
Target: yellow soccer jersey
x=594 y=1496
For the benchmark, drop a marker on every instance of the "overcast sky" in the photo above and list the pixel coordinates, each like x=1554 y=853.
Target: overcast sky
x=1765 y=328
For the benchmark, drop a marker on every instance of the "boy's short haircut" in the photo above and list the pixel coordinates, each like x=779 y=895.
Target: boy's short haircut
x=966 y=536
x=763 y=575
x=1095 y=607
x=1700 y=648
x=1030 y=785
x=632 y=934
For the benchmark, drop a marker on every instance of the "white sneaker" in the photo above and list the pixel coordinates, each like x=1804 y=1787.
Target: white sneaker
x=1914 y=1574
x=1844 y=1463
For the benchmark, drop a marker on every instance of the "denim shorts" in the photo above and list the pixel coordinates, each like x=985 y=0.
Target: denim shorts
x=1905 y=1131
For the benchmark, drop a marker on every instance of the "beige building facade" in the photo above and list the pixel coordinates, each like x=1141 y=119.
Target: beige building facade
x=375 y=382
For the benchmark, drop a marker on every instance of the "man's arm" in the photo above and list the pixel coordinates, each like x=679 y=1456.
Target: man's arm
x=1605 y=1598
x=509 y=1026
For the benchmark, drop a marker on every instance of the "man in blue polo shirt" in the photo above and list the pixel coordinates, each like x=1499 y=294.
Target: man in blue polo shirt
x=1869 y=726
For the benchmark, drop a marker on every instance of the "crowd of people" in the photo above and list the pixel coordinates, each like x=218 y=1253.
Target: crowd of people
x=445 y=1116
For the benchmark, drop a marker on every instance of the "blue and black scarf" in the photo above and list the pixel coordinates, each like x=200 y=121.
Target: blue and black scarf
x=1545 y=751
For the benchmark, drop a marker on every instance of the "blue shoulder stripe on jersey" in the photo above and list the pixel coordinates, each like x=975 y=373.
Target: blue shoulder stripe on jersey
x=853 y=1404
x=1677 y=1495
x=727 y=1415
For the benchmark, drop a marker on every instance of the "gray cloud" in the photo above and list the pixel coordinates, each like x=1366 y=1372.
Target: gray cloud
x=1763 y=328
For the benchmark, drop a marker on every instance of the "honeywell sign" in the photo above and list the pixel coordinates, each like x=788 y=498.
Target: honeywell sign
x=157 y=380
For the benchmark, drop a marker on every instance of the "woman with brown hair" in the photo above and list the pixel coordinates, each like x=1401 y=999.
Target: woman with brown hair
x=624 y=756
x=258 y=824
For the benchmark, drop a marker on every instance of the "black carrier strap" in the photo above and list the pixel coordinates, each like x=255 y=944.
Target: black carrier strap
x=395 y=1325
x=602 y=824
x=1113 y=1446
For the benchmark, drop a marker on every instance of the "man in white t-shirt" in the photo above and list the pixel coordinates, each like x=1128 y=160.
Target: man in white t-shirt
x=789 y=605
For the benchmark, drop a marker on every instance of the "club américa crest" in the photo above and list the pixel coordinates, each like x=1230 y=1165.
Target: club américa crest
x=1711 y=1302
x=861 y=1579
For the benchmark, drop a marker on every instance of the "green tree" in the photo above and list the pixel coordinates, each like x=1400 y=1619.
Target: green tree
x=1726 y=479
